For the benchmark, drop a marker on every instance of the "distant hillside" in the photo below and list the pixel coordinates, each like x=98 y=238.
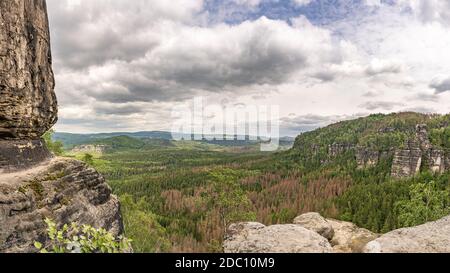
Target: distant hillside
x=71 y=140
x=411 y=142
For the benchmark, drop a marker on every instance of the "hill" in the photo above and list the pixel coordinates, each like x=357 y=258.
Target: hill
x=343 y=171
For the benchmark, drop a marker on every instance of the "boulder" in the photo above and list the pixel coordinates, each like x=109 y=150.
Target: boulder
x=258 y=238
x=433 y=237
x=63 y=190
x=348 y=238
x=28 y=106
x=315 y=222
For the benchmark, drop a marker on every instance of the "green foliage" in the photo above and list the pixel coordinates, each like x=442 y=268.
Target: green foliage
x=180 y=196
x=427 y=202
x=229 y=198
x=441 y=137
x=88 y=159
x=143 y=226
x=74 y=238
x=55 y=147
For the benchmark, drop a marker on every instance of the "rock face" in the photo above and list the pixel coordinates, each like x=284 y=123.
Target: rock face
x=418 y=153
x=315 y=222
x=407 y=162
x=257 y=238
x=27 y=102
x=337 y=149
x=311 y=233
x=63 y=190
x=348 y=238
x=33 y=185
x=90 y=149
x=433 y=237
x=305 y=237
x=20 y=154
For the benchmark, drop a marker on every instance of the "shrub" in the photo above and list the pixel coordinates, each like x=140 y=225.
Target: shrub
x=74 y=238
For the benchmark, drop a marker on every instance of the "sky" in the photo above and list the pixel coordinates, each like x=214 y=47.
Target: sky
x=122 y=65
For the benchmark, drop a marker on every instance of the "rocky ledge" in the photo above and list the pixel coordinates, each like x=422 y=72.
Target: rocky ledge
x=311 y=233
x=63 y=190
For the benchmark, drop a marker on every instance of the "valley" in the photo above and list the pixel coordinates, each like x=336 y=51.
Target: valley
x=181 y=196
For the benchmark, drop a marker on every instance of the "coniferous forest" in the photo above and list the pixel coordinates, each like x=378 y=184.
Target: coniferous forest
x=181 y=196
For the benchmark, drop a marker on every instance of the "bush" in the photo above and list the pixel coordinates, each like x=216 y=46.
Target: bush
x=55 y=147
x=74 y=238
x=427 y=203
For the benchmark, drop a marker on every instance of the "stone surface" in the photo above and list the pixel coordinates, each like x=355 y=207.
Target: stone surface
x=348 y=238
x=407 y=161
x=64 y=190
x=21 y=154
x=99 y=149
x=433 y=237
x=315 y=222
x=257 y=238
x=337 y=149
x=28 y=106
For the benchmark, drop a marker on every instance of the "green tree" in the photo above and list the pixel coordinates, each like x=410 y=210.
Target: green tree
x=55 y=147
x=141 y=225
x=229 y=198
x=88 y=159
x=427 y=203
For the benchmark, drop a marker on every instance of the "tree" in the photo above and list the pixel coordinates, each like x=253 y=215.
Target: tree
x=55 y=147
x=88 y=159
x=229 y=198
x=427 y=203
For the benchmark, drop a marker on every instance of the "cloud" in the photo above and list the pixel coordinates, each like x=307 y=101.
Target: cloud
x=302 y=2
x=182 y=61
x=124 y=63
x=378 y=66
x=304 y=123
x=440 y=85
x=429 y=10
x=380 y=105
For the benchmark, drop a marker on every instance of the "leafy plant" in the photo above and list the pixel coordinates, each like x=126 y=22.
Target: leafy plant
x=427 y=203
x=55 y=147
x=229 y=198
x=74 y=238
x=88 y=159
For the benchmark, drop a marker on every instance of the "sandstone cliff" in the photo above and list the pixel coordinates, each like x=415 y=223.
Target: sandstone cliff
x=27 y=101
x=63 y=190
x=33 y=184
x=311 y=233
x=416 y=155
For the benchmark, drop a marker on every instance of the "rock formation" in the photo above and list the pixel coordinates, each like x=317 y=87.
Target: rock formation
x=337 y=149
x=99 y=149
x=63 y=190
x=408 y=161
x=28 y=106
x=28 y=103
x=257 y=238
x=419 y=153
x=33 y=184
x=433 y=237
x=313 y=221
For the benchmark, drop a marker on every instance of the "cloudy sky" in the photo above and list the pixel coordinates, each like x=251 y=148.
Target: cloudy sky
x=121 y=65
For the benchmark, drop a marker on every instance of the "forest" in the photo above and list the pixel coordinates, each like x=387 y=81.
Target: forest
x=181 y=196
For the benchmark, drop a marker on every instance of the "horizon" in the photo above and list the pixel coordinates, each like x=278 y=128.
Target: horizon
x=319 y=61
x=281 y=135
